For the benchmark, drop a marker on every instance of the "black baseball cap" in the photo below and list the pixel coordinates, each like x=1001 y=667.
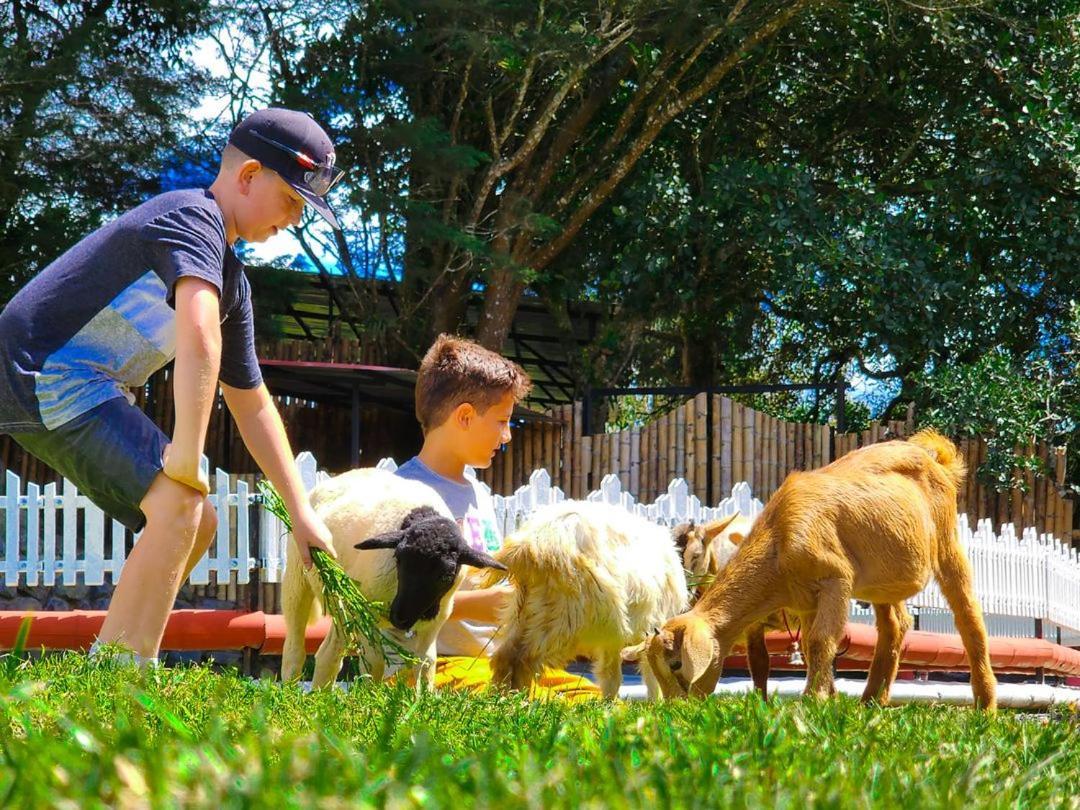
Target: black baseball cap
x=296 y=147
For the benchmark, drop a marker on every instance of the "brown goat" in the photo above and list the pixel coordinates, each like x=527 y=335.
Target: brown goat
x=706 y=548
x=872 y=525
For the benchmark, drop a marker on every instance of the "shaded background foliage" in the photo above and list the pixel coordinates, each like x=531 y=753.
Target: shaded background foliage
x=92 y=97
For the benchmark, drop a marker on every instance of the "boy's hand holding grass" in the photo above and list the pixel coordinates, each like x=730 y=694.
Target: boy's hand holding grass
x=311 y=534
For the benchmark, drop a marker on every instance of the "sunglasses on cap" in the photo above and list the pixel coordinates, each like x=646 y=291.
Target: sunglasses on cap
x=319 y=177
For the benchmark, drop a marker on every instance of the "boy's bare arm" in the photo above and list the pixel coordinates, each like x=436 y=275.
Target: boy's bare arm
x=264 y=436
x=482 y=605
x=198 y=358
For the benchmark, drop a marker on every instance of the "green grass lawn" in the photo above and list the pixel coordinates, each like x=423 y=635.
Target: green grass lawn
x=81 y=734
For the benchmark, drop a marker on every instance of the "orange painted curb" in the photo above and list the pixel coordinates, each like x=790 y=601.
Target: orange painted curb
x=274 y=640
x=237 y=629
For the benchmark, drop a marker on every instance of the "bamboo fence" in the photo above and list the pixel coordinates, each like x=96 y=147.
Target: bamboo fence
x=715 y=444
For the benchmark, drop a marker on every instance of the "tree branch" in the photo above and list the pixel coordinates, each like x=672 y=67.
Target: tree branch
x=664 y=115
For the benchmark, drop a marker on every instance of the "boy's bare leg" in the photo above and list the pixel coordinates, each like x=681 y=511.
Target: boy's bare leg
x=152 y=575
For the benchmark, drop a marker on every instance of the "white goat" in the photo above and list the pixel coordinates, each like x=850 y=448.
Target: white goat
x=389 y=515
x=590 y=578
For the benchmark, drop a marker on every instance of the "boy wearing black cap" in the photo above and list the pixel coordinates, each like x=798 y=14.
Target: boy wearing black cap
x=158 y=283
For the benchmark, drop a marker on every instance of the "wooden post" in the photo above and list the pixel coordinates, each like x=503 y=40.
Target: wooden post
x=538 y=451
x=738 y=443
x=566 y=450
x=654 y=458
x=756 y=432
x=717 y=433
x=635 y=461
x=985 y=499
x=579 y=472
x=645 y=462
x=789 y=448
x=527 y=463
x=1038 y=512
x=513 y=466
x=680 y=442
x=583 y=469
x=662 y=475
x=726 y=447
x=1024 y=512
x=701 y=443
x=624 y=458
x=1060 y=529
x=974 y=499
x=775 y=450
x=549 y=460
x=761 y=455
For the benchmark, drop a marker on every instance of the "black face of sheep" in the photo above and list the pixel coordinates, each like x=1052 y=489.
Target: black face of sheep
x=429 y=551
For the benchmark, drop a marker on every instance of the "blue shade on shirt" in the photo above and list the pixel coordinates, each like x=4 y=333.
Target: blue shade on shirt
x=99 y=320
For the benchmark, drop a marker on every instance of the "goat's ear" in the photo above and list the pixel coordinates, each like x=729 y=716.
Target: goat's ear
x=737 y=538
x=387 y=540
x=697 y=650
x=479 y=559
x=633 y=655
x=656 y=647
x=712 y=530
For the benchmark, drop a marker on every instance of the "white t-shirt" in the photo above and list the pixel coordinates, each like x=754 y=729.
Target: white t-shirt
x=473 y=508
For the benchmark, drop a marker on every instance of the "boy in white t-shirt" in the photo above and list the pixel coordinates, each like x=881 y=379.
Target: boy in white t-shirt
x=465 y=396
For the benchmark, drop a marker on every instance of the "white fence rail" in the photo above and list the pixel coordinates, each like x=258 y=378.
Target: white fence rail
x=55 y=536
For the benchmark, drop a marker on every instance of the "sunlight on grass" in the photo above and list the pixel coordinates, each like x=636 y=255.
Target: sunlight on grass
x=96 y=734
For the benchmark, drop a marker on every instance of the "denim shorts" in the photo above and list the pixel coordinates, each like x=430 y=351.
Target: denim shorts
x=112 y=453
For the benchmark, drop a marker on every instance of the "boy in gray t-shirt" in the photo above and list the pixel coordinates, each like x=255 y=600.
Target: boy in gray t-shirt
x=158 y=283
x=465 y=396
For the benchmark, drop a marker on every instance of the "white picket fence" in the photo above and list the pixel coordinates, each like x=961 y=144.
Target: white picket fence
x=63 y=538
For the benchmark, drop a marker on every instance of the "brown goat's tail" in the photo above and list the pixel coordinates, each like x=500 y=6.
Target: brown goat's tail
x=944 y=452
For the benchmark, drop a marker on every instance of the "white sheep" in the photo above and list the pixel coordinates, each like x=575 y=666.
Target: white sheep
x=590 y=579
x=396 y=538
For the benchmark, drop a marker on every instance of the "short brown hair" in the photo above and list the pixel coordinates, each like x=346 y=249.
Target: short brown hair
x=456 y=370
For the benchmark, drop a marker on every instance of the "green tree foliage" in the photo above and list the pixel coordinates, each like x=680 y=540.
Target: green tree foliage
x=1010 y=403
x=891 y=191
x=490 y=133
x=91 y=94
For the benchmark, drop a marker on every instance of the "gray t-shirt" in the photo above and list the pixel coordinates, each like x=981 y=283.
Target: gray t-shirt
x=470 y=503
x=99 y=320
x=474 y=510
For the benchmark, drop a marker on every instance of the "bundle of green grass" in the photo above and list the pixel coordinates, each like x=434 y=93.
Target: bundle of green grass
x=356 y=616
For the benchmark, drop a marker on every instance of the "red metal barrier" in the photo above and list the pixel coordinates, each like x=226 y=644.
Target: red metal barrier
x=235 y=629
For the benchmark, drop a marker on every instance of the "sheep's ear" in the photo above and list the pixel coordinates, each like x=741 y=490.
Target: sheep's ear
x=713 y=530
x=697 y=651
x=479 y=559
x=387 y=540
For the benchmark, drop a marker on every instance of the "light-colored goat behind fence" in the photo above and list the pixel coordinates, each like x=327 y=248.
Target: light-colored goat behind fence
x=1025 y=581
